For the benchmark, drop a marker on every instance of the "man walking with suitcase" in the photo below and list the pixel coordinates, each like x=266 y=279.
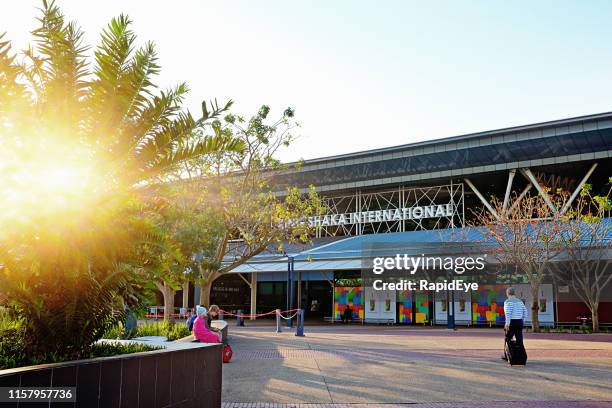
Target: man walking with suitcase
x=515 y=312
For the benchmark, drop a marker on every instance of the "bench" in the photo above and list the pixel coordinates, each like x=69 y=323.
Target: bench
x=484 y=323
x=386 y=321
x=331 y=320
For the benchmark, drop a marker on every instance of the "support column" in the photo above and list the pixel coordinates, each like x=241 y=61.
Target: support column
x=519 y=198
x=578 y=189
x=299 y=290
x=290 y=279
x=186 y=295
x=508 y=189
x=529 y=175
x=481 y=197
x=253 y=295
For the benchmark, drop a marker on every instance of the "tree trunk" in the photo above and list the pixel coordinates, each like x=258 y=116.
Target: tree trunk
x=595 y=317
x=535 y=307
x=168 y=294
x=208 y=277
x=205 y=293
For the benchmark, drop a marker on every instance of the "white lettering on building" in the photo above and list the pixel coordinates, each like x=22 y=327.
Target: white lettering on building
x=406 y=213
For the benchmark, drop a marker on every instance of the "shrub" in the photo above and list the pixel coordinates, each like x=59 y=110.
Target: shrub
x=172 y=332
x=178 y=331
x=113 y=349
x=12 y=348
x=7 y=321
x=115 y=332
x=64 y=312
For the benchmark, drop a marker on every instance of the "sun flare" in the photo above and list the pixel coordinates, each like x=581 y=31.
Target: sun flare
x=47 y=182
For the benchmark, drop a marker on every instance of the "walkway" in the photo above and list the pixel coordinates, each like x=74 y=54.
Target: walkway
x=339 y=366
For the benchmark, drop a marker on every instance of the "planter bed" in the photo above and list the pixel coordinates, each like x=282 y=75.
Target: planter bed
x=180 y=374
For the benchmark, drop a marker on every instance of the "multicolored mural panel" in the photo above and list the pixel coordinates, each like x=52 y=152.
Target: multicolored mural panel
x=409 y=302
x=405 y=306
x=352 y=296
x=421 y=302
x=488 y=304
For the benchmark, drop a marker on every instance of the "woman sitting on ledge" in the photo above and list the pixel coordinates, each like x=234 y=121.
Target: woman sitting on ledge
x=200 y=330
x=212 y=314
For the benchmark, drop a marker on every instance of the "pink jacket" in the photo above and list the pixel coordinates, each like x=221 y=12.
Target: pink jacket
x=202 y=333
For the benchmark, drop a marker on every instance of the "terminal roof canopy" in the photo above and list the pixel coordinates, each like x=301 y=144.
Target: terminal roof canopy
x=576 y=139
x=347 y=253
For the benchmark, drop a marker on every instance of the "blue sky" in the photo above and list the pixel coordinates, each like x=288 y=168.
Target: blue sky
x=363 y=74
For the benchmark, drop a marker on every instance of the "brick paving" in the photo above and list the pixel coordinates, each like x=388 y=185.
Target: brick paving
x=478 y=404
x=292 y=353
x=367 y=367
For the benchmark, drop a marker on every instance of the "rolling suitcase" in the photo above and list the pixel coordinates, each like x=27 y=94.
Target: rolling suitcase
x=515 y=354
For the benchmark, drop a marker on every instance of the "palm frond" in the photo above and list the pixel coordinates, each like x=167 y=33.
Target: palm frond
x=60 y=46
x=112 y=60
x=165 y=139
x=215 y=111
x=191 y=149
x=158 y=113
x=11 y=91
x=136 y=81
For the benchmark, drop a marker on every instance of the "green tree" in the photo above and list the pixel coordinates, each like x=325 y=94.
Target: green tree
x=80 y=140
x=584 y=237
x=187 y=229
x=255 y=216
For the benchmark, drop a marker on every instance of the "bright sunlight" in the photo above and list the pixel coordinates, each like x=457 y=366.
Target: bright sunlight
x=41 y=179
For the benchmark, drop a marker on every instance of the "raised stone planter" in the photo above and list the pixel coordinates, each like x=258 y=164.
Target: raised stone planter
x=181 y=375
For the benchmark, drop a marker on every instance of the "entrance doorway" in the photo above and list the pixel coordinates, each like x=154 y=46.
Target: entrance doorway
x=317 y=299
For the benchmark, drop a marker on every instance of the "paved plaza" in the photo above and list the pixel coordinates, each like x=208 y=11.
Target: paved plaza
x=368 y=366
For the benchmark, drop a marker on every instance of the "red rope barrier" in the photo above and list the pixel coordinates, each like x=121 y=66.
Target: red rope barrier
x=248 y=316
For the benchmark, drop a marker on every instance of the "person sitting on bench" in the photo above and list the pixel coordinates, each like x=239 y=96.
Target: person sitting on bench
x=200 y=331
x=347 y=316
x=213 y=314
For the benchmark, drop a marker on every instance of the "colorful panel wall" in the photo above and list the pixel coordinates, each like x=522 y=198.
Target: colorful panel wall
x=421 y=304
x=404 y=298
x=352 y=296
x=488 y=304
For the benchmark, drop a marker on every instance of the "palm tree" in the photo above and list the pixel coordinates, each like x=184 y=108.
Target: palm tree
x=67 y=252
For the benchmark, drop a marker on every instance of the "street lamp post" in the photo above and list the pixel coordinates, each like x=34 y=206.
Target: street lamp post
x=290 y=269
x=450 y=309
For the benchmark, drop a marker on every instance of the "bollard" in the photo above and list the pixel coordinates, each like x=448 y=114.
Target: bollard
x=299 y=331
x=279 y=328
x=239 y=319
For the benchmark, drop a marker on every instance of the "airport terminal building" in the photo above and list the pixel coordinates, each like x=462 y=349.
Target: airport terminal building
x=419 y=193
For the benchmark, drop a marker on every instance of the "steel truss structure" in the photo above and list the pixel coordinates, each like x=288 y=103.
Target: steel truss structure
x=396 y=199
x=542 y=183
